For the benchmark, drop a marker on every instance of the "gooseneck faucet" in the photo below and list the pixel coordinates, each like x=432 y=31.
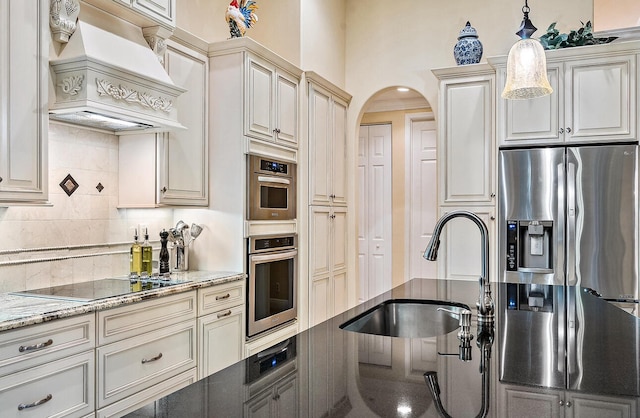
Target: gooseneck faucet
x=485 y=303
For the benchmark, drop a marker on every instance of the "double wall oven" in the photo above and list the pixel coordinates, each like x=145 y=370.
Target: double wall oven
x=271 y=258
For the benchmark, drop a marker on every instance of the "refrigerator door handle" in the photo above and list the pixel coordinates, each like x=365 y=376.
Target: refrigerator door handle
x=572 y=213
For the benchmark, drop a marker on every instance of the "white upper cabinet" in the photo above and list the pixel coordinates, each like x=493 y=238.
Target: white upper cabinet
x=593 y=100
x=327 y=146
x=254 y=102
x=466 y=144
x=183 y=154
x=171 y=168
x=24 y=65
x=271 y=113
x=141 y=12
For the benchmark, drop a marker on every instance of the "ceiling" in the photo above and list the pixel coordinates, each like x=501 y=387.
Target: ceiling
x=392 y=99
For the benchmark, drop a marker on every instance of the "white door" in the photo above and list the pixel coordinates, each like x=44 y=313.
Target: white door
x=374 y=221
x=421 y=192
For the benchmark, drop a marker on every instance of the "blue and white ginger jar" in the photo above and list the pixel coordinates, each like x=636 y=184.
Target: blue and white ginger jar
x=468 y=49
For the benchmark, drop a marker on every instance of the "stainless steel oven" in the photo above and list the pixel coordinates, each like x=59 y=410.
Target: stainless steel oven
x=273 y=275
x=272 y=189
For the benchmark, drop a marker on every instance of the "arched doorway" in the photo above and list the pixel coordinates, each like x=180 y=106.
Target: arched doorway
x=389 y=131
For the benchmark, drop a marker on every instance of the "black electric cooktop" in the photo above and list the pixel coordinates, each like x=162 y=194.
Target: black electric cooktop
x=99 y=289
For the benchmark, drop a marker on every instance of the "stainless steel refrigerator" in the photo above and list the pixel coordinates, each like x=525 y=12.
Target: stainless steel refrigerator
x=568 y=216
x=568 y=238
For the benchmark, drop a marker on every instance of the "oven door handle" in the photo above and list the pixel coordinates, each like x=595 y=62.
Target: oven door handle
x=265 y=179
x=273 y=256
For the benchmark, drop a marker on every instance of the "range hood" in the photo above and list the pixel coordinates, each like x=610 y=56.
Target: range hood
x=107 y=77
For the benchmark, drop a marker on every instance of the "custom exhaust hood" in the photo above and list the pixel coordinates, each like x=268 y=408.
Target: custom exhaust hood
x=107 y=77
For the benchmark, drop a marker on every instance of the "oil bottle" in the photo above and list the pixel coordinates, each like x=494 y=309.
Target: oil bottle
x=135 y=257
x=147 y=254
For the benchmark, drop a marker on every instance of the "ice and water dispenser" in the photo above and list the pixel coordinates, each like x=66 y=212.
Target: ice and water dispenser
x=530 y=246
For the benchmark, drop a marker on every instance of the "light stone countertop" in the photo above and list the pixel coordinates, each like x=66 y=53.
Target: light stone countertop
x=18 y=311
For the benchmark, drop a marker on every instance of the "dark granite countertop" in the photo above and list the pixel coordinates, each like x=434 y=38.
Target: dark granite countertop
x=538 y=358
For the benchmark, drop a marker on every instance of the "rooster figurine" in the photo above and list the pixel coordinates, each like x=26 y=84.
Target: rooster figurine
x=241 y=17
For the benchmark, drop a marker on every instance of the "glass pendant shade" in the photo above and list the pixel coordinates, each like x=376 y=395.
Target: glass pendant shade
x=526 y=71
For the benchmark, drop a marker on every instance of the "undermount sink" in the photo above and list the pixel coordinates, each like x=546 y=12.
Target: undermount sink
x=407 y=318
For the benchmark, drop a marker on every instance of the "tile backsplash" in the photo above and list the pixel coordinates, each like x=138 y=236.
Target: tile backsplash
x=85 y=234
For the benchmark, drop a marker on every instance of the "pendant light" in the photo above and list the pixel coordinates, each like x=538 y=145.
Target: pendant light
x=526 y=65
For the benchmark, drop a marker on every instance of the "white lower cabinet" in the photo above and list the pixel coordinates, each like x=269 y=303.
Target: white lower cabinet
x=221 y=335
x=146 y=350
x=48 y=369
x=221 y=326
x=59 y=388
x=539 y=403
x=327 y=262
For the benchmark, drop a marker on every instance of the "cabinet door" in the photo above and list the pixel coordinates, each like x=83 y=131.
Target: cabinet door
x=320 y=133
x=220 y=335
x=338 y=153
x=286 y=123
x=533 y=121
x=530 y=404
x=183 y=154
x=259 y=99
x=24 y=71
x=460 y=255
x=319 y=240
x=259 y=407
x=466 y=146
x=600 y=102
x=320 y=300
x=286 y=398
x=160 y=10
x=591 y=406
x=338 y=225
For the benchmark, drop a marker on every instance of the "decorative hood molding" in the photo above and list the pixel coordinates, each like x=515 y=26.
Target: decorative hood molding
x=107 y=70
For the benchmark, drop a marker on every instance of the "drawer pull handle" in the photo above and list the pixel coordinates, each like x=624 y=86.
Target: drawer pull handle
x=158 y=357
x=222 y=315
x=24 y=348
x=227 y=296
x=32 y=404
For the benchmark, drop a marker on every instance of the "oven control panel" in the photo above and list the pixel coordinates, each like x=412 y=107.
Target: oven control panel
x=271 y=243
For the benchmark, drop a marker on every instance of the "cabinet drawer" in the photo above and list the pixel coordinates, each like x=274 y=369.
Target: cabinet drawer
x=29 y=346
x=56 y=389
x=129 y=366
x=217 y=298
x=146 y=397
x=132 y=320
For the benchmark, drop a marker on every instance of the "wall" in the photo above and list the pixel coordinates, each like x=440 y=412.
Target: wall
x=86 y=217
x=278 y=26
x=615 y=14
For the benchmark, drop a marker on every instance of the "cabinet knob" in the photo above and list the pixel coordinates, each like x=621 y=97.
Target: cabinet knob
x=276 y=397
x=493 y=195
x=332 y=196
x=164 y=189
x=276 y=131
x=568 y=404
x=149 y=360
x=561 y=403
x=561 y=131
x=568 y=130
x=0 y=179
x=332 y=216
x=493 y=218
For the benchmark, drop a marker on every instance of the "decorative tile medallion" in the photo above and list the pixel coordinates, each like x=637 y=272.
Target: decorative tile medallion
x=100 y=187
x=69 y=185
